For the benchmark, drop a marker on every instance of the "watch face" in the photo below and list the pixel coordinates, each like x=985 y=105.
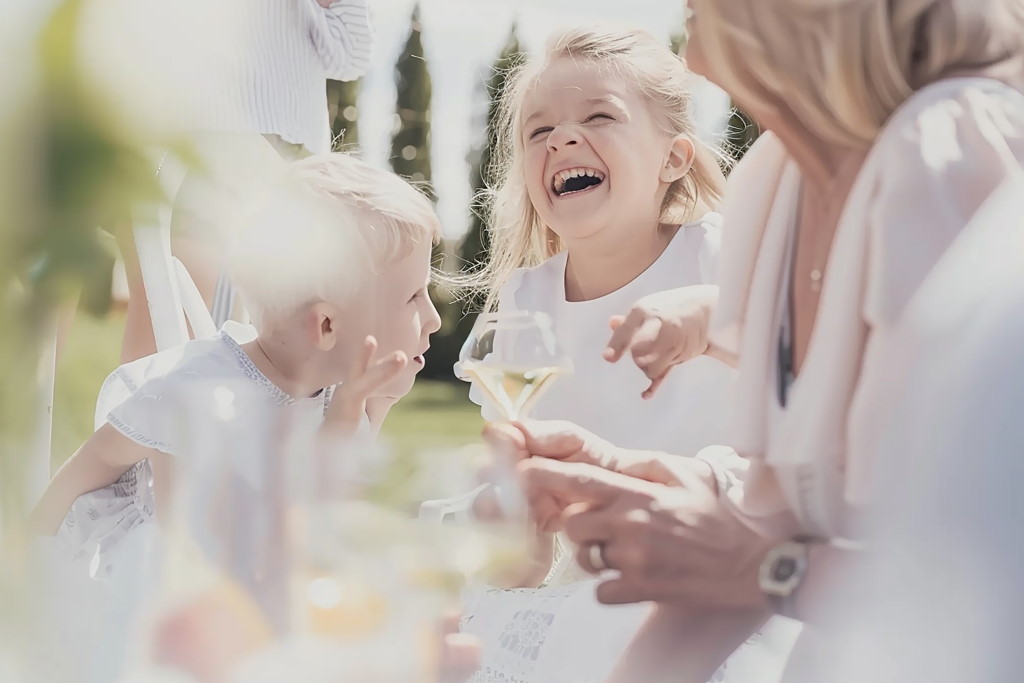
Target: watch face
x=784 y=569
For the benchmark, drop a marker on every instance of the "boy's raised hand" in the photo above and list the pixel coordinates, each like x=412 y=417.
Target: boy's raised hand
x=662 y=330
x=365 y=377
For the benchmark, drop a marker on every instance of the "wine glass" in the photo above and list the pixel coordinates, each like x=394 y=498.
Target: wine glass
x=514 y=357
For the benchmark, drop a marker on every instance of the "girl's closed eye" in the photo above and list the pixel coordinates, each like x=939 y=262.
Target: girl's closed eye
x=418 y=295
x=540 y=131
x=599 y=117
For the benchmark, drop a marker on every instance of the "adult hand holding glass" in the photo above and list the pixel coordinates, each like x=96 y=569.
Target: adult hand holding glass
x=656 y=519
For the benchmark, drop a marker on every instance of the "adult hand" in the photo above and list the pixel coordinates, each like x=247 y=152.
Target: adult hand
x=668 y=542
x=567 y=442
x=662 y=330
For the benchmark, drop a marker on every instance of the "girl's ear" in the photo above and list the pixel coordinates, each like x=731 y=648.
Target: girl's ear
x=322 y=324
x=679 y=160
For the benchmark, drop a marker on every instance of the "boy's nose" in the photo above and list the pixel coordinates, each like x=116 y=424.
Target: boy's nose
x=432 y=323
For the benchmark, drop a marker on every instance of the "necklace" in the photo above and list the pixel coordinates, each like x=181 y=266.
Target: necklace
x=816 y=274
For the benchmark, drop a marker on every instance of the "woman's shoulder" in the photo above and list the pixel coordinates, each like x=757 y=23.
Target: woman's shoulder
x=942 y=155
x=953 y=121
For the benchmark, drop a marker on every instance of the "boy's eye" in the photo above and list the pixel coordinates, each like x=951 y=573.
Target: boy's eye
x=417 y=295
x=540 y=131
x=599 y=117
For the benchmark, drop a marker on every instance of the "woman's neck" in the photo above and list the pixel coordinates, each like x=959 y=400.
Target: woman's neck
x=596 y=267
x=826 y=169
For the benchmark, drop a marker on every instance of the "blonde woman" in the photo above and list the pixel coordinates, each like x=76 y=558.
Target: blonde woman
x=889 y=124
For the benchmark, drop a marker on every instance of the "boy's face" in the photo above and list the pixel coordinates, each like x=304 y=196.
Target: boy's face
x=394 y=307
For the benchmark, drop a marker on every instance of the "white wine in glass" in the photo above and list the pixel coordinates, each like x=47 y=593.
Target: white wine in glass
x=514 y=357
x=514 y=391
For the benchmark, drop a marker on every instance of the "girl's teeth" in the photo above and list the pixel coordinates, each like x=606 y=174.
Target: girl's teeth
x=563 y=176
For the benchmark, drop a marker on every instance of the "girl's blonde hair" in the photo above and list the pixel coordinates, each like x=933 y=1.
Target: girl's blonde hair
x=320 y=230
x=844 y=66
x=518 y=236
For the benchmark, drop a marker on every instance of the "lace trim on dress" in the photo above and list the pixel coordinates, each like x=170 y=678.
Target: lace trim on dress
x=250 y=370
x=137 y=436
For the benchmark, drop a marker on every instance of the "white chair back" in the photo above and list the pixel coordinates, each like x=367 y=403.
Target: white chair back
x=457 y=508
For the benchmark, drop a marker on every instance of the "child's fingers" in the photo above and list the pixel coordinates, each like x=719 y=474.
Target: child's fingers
x=655 y=384
x=361 y=361
x=349 y=403
x=623 y=335
x=661 y=357
x=615 y=321
x=648 y=340
x=378 y=374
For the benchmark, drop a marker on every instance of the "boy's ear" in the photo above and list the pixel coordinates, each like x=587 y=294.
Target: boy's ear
x=679 y=160
x=323 y=326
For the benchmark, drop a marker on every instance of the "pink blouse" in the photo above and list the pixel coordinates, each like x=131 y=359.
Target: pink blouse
x=947 y=149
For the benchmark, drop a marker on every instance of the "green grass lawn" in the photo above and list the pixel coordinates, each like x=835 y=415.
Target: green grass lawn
x=434 y=415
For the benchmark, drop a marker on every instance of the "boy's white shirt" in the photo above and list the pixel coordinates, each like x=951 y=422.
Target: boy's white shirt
x=105 y=576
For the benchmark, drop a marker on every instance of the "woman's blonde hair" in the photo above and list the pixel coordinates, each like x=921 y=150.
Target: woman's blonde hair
x=844 y=66
x=518 y=236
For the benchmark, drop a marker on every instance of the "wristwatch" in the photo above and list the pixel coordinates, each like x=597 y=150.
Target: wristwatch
x=782 y=571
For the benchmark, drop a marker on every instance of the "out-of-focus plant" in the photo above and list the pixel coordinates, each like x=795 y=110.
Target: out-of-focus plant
x=69 y=167
x=75 y=160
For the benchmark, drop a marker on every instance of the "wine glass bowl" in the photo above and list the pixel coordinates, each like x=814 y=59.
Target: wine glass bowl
x=513 y=357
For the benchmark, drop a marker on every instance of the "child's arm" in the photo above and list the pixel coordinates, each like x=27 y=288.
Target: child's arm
x=98 y=463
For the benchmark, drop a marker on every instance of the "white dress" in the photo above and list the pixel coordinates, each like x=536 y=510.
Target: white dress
x=162 y=402
x=208 y=405
x=560 y=632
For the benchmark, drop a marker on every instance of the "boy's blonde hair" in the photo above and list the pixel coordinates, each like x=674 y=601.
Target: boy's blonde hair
x=519 y=238
x=318 y=232
x=844 y=66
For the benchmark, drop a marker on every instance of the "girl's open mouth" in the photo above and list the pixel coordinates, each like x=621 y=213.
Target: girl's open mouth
x=576 y=181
